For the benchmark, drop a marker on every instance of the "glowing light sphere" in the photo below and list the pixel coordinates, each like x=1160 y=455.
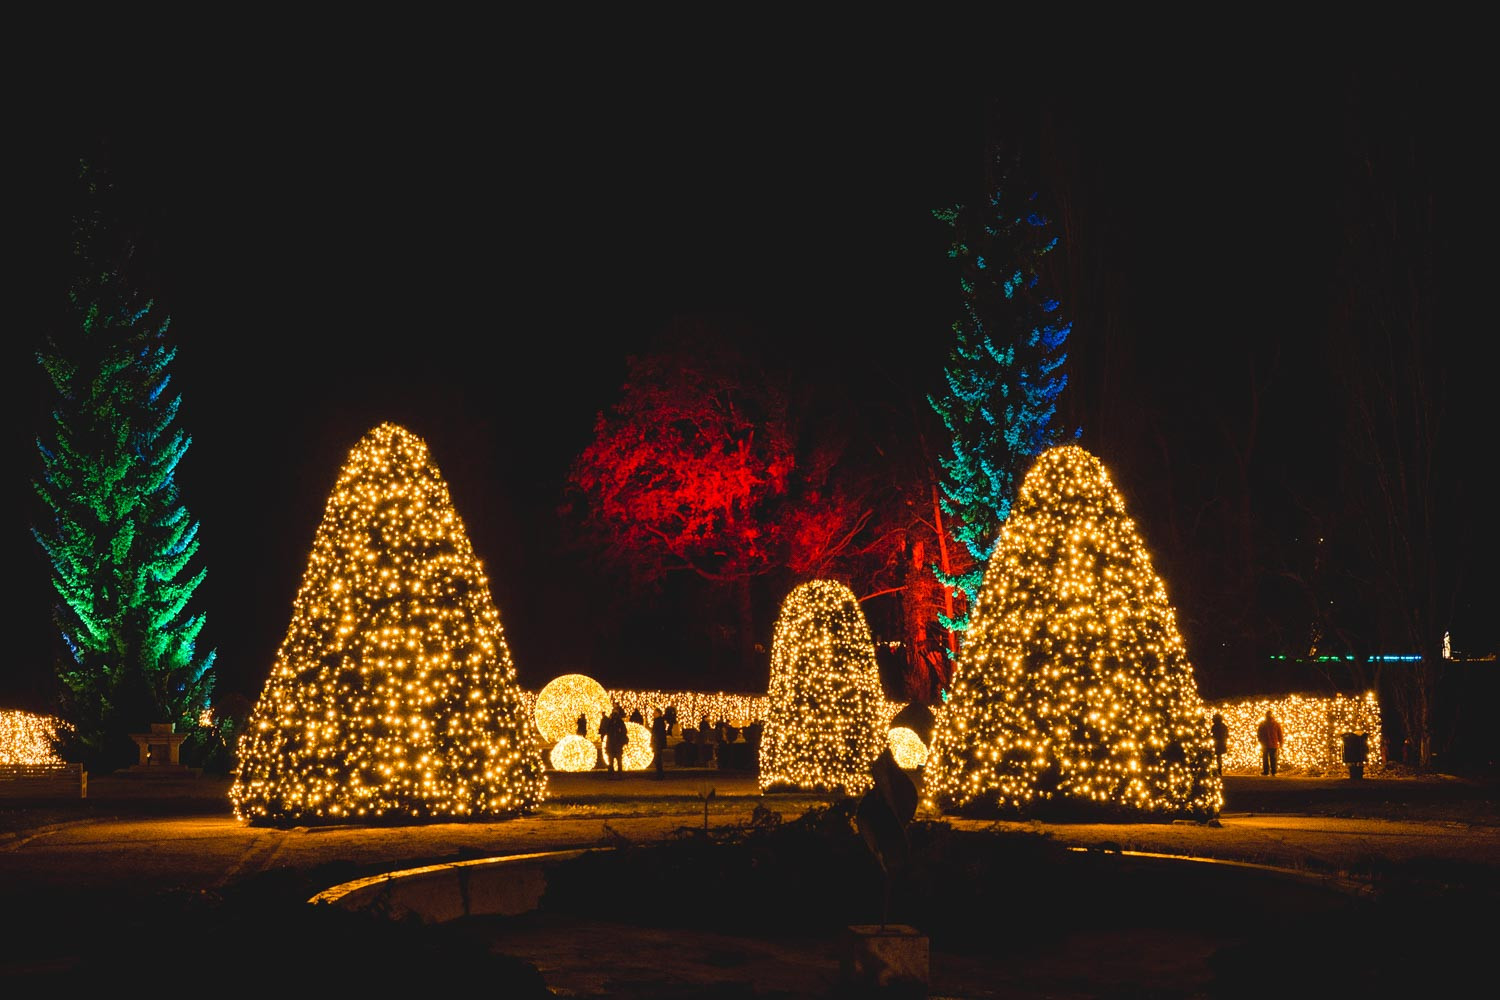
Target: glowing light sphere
x=1073 y=692
x=574 y=753
x=825 y=718
x=393 y=694
x=563 y=699
x=638 y=754
x=907 y=747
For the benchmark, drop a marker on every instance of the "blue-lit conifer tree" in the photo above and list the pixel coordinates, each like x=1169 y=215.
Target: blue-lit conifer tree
x=1004 y=371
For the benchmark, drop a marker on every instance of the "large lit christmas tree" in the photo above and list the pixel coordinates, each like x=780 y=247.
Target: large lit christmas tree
x=119 y=539
x=1004 y=371
x=1073 y=694
x=824 y=724
x=393 y=695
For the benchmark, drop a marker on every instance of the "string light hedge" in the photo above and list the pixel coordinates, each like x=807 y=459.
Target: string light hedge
x=29 y=738
x=1073 y=693
x=737 y=710
x=825 y=721
x=1313 y=728
x=393 y=696
x=1314 y=725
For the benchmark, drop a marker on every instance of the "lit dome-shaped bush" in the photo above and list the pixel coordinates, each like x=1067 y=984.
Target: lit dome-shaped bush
x=824 y=714
x=1072 y=693
x=393 y=695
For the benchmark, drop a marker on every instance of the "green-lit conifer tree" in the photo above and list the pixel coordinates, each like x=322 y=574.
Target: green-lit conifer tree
x=119 y=539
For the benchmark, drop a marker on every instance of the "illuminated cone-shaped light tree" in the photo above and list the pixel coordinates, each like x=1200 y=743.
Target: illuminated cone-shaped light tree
x=1073 y=694
x=824 y=725
x=393 y=695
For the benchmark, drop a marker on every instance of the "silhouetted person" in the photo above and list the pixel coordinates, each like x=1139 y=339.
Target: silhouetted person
x=615 y=738
x=659 y=740
x=603 y=741
x=635 y=717
x=1269 y=735
x=583 y=724
x=1221 y=741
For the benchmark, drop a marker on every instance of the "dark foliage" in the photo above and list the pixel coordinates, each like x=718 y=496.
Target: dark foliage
x=260 y=935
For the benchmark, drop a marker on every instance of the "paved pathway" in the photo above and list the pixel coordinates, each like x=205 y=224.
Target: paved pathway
x=135 y=837
x=138 y=841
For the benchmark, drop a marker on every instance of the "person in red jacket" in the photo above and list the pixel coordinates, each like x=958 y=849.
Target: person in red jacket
x=1269 y=734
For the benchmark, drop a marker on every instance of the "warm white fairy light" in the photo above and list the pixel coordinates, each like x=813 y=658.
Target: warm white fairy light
x=574 y=753
x=1073 y=684
x=824 y=722
x=27 y=738
x=563 y=699
x=393 y=694
x=907 y=747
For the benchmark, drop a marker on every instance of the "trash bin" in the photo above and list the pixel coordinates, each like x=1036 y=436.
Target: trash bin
x=1356 y=753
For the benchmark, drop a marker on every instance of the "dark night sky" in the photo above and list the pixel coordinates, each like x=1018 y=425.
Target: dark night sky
x=475 y=257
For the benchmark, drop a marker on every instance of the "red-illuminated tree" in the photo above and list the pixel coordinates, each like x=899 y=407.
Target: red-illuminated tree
x=681 y=471
x=707 y=465
x=925 y=602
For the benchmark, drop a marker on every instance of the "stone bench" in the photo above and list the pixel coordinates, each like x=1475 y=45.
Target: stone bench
x=30 y=780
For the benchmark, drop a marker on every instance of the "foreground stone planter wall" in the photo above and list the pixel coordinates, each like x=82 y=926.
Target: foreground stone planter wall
x=439 y=893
